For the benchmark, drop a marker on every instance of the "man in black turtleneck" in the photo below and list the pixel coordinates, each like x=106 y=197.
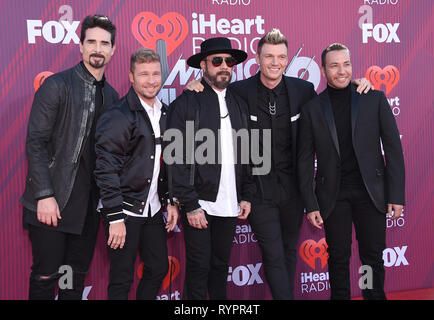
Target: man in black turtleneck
x=341 y=101
x=353 y=182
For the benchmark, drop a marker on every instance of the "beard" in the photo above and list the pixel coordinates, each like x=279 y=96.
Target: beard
x=97 y=64
x=220 y=84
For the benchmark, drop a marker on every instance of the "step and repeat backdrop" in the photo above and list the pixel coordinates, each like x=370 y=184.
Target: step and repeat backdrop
x=391 y=42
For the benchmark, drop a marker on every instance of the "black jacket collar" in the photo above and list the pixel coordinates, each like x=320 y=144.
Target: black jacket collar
x=86 y=75
x=135 y=104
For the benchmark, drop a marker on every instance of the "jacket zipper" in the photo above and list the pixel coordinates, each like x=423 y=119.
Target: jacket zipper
x=83 y=126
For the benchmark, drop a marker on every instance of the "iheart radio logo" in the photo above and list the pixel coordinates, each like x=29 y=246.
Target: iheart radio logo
x=310 y=250
x=173 y=272
x=389 y=77
x=40 y=78
x=147 y=28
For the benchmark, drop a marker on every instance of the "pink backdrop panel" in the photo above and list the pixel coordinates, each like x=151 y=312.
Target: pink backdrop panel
x=396 y=38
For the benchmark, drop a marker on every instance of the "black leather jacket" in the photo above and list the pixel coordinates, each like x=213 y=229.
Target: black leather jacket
x=125 y=150
x=60 y=122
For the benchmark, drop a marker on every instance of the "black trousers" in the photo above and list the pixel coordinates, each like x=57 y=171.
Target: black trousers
x=148 y=236
x=207 y=257
x=51 y=249
x=276 y=224
x=354 y=205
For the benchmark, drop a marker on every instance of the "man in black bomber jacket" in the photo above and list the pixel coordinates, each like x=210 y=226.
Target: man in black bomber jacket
x=133 y=183
x=61 y=196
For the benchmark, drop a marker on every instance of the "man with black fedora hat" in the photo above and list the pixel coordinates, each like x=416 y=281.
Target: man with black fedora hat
x=215 y=192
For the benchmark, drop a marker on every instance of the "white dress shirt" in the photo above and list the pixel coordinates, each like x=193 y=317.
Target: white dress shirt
x=226 y=204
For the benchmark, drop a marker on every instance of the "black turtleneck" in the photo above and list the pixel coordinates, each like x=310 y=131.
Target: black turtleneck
x=341 y=105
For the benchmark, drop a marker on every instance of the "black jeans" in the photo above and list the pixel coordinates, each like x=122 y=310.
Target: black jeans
x=148 y=236
x=354 y=205
x=207 y=257
x=51 y=249
x=276 y=224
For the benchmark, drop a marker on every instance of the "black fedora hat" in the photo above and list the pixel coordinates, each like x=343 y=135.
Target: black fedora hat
x=215 y=45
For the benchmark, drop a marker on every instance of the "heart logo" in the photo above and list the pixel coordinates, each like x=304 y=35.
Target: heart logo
x=174 y=268
x=40 y=78
x=147 y=28
x=389 y=77
x=310 y=250
x=173 y=272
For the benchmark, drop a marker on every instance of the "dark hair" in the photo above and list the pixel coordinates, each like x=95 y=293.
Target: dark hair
x=143 y=55
x=332 y=47
x=100 y=21
x=274 y=36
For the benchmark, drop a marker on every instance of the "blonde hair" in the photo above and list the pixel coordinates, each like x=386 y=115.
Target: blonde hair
x=274 y=36
x=143 y=55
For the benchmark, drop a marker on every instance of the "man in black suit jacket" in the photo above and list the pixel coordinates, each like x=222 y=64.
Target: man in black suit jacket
x=353 y=182
x=274 y=103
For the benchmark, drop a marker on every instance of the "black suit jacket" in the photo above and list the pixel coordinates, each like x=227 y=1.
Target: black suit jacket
x=299 y=93
x=371 y=120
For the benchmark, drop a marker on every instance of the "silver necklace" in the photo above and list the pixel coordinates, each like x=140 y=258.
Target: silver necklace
x=272 y=108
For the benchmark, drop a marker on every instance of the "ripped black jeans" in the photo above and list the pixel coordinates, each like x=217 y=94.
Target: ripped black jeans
x=53 y=249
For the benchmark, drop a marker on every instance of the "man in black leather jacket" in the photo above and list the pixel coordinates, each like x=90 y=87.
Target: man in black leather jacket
x=60 y=197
